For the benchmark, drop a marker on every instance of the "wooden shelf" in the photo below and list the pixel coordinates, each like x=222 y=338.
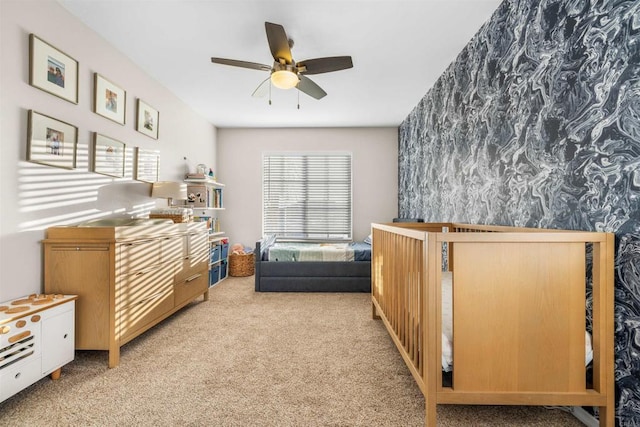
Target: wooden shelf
x=203 y=209
x=205 y=181
x=218 y=269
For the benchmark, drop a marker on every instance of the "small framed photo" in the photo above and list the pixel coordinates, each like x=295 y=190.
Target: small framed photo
x=108 y=156
x=147 y=165
x=147 y=119
x=109 y=99
x=51 y=142
x=52 y=70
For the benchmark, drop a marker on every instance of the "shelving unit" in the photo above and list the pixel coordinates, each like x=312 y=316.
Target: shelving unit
x=206 y=199
x=218 y=259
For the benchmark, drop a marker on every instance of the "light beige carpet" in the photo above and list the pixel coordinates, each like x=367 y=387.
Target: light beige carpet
x=253 y=359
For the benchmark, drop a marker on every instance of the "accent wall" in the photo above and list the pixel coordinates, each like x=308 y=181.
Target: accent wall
x=537 y=124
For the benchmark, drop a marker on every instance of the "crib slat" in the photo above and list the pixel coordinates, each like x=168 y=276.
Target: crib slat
x=430 y=360
x=603 y=315
x=395 y=294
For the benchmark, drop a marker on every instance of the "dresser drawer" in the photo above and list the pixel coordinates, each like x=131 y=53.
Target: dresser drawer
x=139 y=286
x=195 y=258
x=174 y=248
x=142 y=314
x=192 y=286
x=136 y=256
x=198 y=242
x=190 y=265
x=19 y=376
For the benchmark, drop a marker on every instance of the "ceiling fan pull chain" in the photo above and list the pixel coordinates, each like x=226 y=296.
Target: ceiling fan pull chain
x=269 y=91
x=298 y=100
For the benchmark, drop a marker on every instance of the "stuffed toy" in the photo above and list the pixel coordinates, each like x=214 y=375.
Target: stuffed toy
x=237 y=248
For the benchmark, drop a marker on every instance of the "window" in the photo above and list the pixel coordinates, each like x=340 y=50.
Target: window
x=307 y=196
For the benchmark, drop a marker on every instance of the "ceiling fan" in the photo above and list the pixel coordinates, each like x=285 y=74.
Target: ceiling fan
x=285 y=72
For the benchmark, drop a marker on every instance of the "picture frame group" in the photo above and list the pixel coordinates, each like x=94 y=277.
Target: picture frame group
x=53 y=142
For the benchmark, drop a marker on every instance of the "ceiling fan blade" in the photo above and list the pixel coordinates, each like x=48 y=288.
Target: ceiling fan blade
x=262 y=89
x=278 y=42
x=325 y=65
x=243 y=64
x=307 y=86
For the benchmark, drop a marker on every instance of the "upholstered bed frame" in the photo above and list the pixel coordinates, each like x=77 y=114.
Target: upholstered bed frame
x=309 y=276
x=519 y=303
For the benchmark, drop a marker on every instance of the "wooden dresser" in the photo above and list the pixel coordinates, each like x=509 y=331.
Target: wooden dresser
x=127 y=278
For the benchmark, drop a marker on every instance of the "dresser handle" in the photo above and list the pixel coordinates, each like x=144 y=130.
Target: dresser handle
x=192 y=278
x=151 y=297
x=145 y=271
x=142 y=242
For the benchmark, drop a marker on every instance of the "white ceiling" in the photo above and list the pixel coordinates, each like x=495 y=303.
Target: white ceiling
x=399 y=48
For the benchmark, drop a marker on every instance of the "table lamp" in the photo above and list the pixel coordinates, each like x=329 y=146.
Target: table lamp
x=169 y=190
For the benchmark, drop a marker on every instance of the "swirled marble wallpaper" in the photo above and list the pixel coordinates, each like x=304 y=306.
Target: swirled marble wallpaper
x=537 y=124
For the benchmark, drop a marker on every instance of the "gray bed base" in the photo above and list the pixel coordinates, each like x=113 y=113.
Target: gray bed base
x=308 y=276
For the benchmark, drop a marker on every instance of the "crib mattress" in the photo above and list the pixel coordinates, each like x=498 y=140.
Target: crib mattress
x=447 y=326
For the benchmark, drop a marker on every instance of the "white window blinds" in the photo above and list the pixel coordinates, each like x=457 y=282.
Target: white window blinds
x=307 y=196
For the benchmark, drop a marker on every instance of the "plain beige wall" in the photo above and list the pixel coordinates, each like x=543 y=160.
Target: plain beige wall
x=374 y=169
x=35 y=196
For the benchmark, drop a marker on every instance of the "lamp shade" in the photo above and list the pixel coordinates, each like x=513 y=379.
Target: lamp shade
x=284 y=79
x=169 y=190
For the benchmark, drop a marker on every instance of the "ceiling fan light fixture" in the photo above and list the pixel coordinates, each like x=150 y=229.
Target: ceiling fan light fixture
x=284 y=79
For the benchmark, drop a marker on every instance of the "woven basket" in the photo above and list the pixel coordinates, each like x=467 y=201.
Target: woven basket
x=241 y=265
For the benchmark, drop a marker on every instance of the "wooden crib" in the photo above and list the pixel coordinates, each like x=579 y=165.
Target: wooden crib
x=519 y=304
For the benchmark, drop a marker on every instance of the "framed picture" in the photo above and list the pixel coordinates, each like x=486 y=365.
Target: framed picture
x=147 y=165
x=108 y=156
x=147 y=119
x=109 y=100
x=52 y=70
x=51 y=142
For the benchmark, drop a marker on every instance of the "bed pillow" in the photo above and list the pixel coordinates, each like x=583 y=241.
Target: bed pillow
x=367 y=239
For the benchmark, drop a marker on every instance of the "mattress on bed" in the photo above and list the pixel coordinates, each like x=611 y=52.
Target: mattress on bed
x=447 y=326
x=323 y=252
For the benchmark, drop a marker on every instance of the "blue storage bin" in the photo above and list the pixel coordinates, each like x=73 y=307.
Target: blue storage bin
x=214 y=275
x=215 y=253
x=225 y=251
x=223 y=269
